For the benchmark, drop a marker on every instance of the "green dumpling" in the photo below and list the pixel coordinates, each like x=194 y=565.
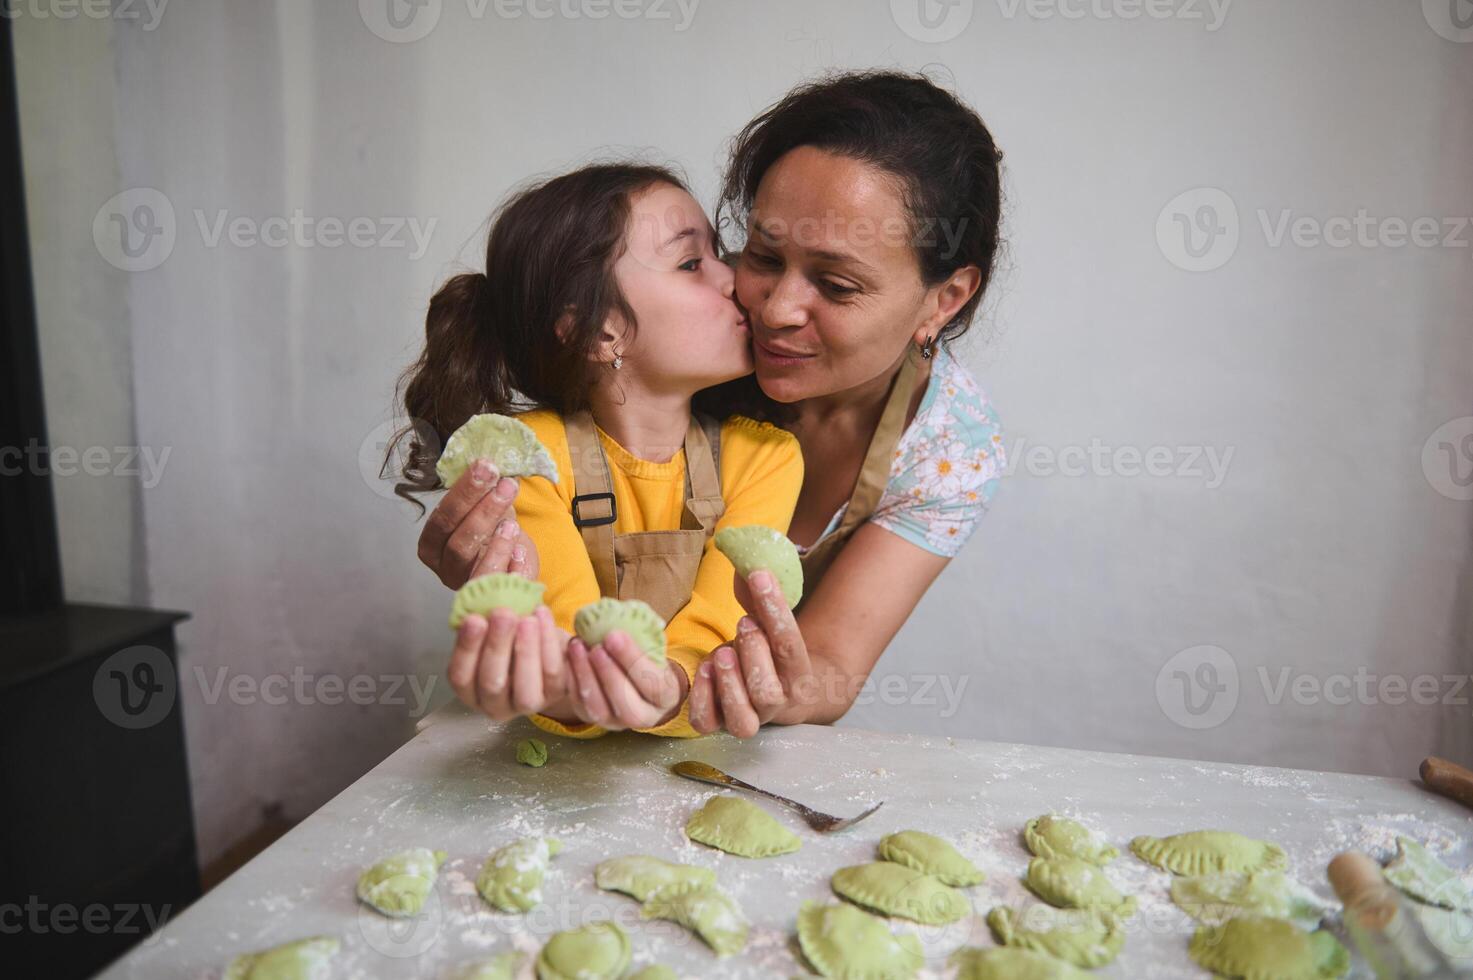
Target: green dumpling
x=644 y=626
x=1208 y=851
x=1011 y=963
x=399 y=884
x=507 y=442
x=1087 y=938
x=739 y=827
x=1050 y=836
x=511 y=878
x=930 y=855
x=706 y=911
x=1069 y=883
x=655 y=971
x=1218 y=897
x=1255 y=947
x=597 y=951
x=894 y=889
x=640 y=876
x=499 y=590
x=755 y=546
x=305 y=959
x=1423 y=877
x=847 y=943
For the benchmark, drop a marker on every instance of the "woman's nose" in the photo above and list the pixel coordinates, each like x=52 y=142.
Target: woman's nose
x=785 y=305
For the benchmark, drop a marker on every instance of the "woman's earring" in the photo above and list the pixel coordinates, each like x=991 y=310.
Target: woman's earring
x=926 y=349
x=619 y=361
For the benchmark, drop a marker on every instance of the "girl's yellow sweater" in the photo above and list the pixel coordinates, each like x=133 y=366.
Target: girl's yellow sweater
x=761 y=474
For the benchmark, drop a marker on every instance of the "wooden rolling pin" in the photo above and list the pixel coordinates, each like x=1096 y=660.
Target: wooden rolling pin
x=1449 y=779
x=1383 y=927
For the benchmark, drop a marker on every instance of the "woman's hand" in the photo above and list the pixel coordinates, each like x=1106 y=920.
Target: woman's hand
x=473 y=530
x=764 y=673
x=615 y=685
x=505 y=665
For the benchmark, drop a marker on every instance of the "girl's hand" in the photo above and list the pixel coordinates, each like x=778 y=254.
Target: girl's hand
x=765 y=671
x=473 y=530
x=507 y=666
x=615 y=685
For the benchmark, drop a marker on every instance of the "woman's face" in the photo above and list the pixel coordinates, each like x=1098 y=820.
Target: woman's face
x=691 y=334
x=829 y=277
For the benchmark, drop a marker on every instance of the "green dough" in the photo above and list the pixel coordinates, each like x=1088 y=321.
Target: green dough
x=507 y=442
x=846 y=943
x=930 y=855
x=499 y=590
x=1450 y=931
x=500 y=967
x=398 y=885
x=1070 y=883
x=1207 y=851
x=1086 y=938
x=1425 y=878
x=1010 y=963
x=511 y=878
x=1255 y=947
x=644 y=626
x=1218 y=897
x=597 y=951
x=756 y=546
x=640 y=876
x=655 y=972
x=894 y=889
x=734 y=825
x=532 y=752
x=1050 y=836
x=305 y=959
x=706 y=911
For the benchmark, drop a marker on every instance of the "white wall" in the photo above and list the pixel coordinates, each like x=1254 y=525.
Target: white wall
x=1324 y=370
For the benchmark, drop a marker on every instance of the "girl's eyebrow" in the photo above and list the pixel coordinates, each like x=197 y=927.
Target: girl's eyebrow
x=683 y=233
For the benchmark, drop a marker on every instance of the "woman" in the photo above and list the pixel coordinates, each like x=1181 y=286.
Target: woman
x=872 y=207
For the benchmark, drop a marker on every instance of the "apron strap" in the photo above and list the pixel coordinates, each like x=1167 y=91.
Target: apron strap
x=876 y=471
x=703 y=501
x=594 y=510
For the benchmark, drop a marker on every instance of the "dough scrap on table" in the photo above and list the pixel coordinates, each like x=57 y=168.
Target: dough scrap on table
x=1011 y=963
x=502 y=966
x=305 y=959
x=1420 y=875
x=1050 y=836
x=756 y=546
x=511 y=878
x=1086 y=938
x=640 y=876
x=497 y=590
x=706 y=911
x=399 y=884
x=1253 y=947
x=532 y=752
x=846 y=943
x=1072 y=883
x=739 y=827
x=1203 y=852
x=1215 y=898
x=655 y=971
x=597 y=951
x=510 y=444
x=645 y=626
x=894 y=889
x=930 y=855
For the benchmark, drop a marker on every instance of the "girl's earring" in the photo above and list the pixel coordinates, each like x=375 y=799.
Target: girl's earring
x=926 y=349
x=619 y=361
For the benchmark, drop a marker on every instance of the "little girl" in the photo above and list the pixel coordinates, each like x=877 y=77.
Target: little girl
x=602 y=311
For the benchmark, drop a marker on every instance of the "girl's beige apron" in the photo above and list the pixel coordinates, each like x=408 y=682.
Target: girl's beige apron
x=656 y=566
x=872 y=477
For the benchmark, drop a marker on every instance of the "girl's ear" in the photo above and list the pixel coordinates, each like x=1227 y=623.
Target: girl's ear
x=606 y=346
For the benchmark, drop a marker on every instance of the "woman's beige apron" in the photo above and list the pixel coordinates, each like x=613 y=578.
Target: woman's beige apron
x=872 y=476
x=656 y=566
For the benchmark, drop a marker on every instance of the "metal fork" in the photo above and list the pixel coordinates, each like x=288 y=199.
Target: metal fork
x=821 y=822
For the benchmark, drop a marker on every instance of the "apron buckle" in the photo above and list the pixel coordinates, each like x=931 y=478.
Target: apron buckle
x=580 y=521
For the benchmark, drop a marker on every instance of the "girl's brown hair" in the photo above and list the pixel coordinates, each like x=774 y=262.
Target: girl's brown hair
x=491 y=338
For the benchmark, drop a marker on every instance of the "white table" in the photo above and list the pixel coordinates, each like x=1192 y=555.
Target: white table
x=456 y=786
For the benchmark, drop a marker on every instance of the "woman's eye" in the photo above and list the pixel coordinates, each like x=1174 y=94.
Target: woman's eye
x=692 y=265
x=758 y=259
x=838 y=289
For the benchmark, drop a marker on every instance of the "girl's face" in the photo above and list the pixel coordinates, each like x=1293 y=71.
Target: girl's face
x=829 y=278
x=691 y=333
